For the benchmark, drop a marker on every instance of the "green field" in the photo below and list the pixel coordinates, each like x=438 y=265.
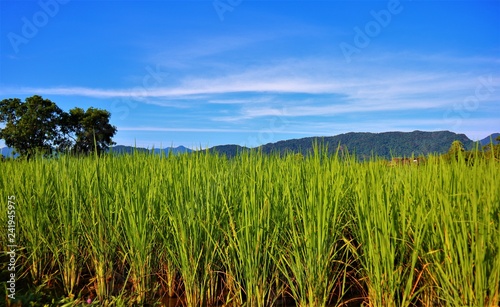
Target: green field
x=254 y=230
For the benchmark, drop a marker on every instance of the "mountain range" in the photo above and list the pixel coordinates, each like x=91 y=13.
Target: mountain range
x=120 y=149
x=362 y=144
x=365 y=145
x=491 y=138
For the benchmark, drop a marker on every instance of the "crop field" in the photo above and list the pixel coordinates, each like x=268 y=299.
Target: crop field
x=255 y=230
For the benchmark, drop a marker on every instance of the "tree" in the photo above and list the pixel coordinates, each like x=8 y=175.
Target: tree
x=39 y=126
x=31 y=126
x=88 y=131
x=456 y=147
x=493 y=150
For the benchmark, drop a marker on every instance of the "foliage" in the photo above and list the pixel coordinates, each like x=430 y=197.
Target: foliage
x=89 y=131
x=365 y=145
x=39 y=126
x=492 y=150
x=456 y=147
x=31 y=126
x=487 y=152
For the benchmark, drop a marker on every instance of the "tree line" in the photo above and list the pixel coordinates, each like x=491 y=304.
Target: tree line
x=39 y=126
x=489 y=151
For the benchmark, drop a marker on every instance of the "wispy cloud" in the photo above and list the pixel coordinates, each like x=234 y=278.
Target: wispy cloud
x=377 y=84
x=333 y=87
x=207 y=130
x=253 y=100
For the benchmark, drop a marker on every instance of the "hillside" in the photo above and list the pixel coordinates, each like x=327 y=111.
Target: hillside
x=365 y=145
x=487 y=140
x=120 y=149
x=228 y=150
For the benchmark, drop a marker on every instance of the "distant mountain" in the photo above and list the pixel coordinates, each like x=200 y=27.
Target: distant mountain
x=174 y=150
x=487 y=140
x=228 y=150
x=120 y=149
x=365 y=145
x=130 y=149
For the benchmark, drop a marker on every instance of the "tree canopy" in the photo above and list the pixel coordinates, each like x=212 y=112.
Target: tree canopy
x=456 y=147
x=88 y=128
x=38 y=125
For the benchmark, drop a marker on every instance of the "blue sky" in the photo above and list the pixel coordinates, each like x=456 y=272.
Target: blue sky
x=205 y=73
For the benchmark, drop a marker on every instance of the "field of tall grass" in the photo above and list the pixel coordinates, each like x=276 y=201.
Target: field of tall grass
x=255 y=230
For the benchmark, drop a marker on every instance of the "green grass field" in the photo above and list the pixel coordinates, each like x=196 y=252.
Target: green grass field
x=256 y=230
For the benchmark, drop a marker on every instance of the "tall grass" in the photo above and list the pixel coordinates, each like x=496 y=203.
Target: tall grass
x=33 y=186
x=253 y=209
x=464 y=250
x=252 y=230
x=139 y=209
x=67 y=226
x=96 y=186
x=315 y=193
x=390 y=226
x=192 y=204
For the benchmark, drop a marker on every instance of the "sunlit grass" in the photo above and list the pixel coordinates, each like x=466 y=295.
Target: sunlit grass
x=464 y=248
x=250 y=230
x=315 y=193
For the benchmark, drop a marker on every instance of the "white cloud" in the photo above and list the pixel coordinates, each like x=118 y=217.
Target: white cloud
x=208 y=130
x=333 y=87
